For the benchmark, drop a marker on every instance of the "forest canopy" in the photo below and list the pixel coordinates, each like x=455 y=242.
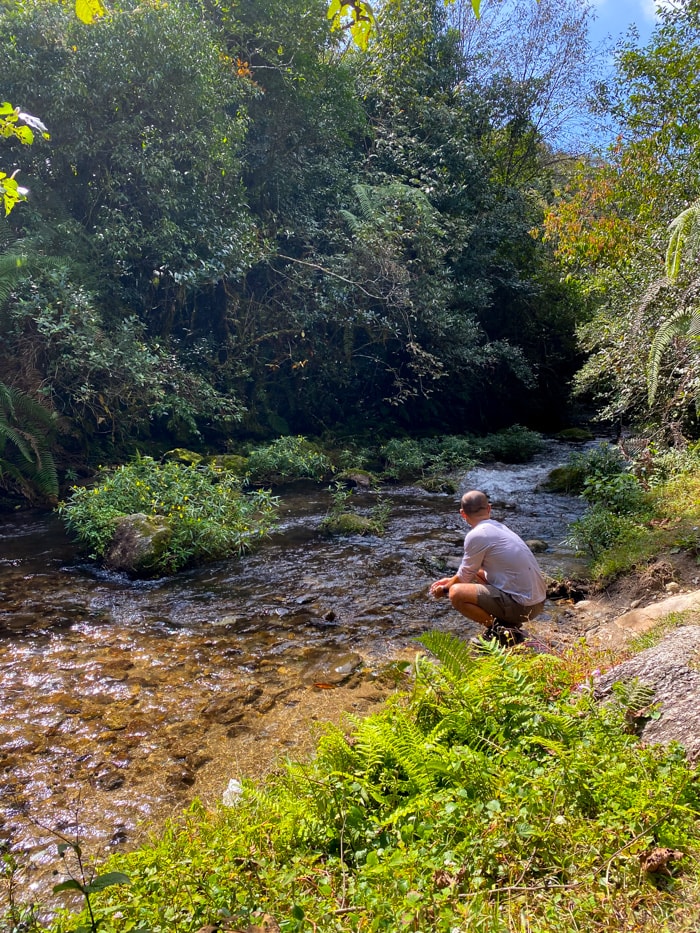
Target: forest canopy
x=240 y=225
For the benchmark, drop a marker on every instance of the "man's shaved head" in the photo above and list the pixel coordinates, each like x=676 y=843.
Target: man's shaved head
x=474 y=502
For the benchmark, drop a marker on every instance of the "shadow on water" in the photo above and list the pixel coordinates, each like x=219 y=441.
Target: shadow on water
x=116 y=694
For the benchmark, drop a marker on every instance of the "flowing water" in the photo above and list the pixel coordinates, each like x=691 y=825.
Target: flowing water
x=121 y=700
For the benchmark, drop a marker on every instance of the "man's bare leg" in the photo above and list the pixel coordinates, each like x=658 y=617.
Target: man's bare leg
x=463 y=599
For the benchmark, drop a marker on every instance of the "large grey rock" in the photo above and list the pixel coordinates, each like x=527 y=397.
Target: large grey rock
x=670 y=669
x=644 y=618
x=138 y=543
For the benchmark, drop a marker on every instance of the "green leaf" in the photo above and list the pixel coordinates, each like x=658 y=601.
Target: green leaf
x=106 y=881
x=476 y=6
x=70 y=885
x=25 y=135
x=88 y=11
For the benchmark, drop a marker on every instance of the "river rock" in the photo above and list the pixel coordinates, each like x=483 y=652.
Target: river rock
x=229 y=708
x=537 y=546
x=138 y=542
x=332 y=668
x=669 y=670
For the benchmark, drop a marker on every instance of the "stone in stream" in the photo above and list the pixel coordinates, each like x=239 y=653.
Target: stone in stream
x=230 y=708
x=138 y=542
x=332 y=668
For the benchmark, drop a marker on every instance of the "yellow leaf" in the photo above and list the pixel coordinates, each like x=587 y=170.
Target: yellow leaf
x=88 y=11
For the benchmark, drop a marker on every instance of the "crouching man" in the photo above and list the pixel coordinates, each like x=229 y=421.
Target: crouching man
x=499 y=583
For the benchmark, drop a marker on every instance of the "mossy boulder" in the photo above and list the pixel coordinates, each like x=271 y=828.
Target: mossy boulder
x=230 y=463
x=350 y=523
x=138 y=543
x=566 y=479
x=182 y=455
x=439 y=484
x=575 y=434
x=361 y=479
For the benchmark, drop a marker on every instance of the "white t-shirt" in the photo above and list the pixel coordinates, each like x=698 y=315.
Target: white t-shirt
x=506 y=560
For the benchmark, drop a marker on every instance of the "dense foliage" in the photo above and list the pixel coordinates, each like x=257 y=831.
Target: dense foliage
x=205 y=512
x=238 y=229
x=497 y=791
x=611 y=227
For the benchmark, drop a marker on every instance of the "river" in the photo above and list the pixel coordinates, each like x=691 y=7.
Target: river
x=122 y=700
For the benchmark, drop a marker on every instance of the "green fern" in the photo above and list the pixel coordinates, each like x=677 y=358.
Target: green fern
x=453 y=653
x=683 y=244
x=375 y=201
x=684 y=239
x=685 y=322
x=26 y=432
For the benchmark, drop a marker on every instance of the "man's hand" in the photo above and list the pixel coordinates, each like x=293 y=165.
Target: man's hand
x=441 y=587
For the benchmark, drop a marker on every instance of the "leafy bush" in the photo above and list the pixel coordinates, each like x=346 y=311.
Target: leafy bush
x=404 y=458
x=287 y=458
x=671 y=462
x=621 y=493
x=209 y=516
x=407 y=458
x=495 y=792
x=600 y=462
x=513 y=445
x=342 y=519
x=597 y=530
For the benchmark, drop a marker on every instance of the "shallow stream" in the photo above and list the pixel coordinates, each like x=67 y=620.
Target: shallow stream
x=120 y=701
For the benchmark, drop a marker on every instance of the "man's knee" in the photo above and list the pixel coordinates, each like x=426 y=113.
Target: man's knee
x=462 y=594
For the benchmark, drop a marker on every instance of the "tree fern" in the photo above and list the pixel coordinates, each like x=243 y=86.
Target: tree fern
x=683 y=244
x=684 y=239
x=684 y=322
x=375 y=204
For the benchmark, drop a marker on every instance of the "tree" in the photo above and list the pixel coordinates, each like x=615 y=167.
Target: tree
x=611 y=228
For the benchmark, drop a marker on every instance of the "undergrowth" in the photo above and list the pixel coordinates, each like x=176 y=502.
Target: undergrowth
x=208 y=516
x=496 y=797
x=637 y=509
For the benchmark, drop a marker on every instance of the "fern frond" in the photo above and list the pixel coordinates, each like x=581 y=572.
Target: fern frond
x=452 y=652
x=29 y=427
x=633 y=695
x=684 y=321
x=12 y=266
x=685 y=237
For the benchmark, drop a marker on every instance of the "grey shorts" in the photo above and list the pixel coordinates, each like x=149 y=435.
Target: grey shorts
x=503 y=606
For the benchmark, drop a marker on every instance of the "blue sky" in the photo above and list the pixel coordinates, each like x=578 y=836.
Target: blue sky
x=613 y=17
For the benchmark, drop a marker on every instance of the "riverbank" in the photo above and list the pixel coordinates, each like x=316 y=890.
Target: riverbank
x=435 y=813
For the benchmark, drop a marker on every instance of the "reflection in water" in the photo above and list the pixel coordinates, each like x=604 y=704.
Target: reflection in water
x=118 y=695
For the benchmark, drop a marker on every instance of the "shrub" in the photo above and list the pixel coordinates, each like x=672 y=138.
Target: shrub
x=597 y=530
x=407 y=458
x=287 y=458
x=404 y=458
x=209 y=516
x=620 y=493
x=342 y=519
x=602 y=461
x=513 y=445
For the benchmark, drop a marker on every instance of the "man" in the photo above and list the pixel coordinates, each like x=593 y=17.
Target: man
x=499 y=583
